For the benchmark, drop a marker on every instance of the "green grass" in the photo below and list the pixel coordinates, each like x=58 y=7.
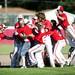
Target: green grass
x=37 y=71
x=5 y=48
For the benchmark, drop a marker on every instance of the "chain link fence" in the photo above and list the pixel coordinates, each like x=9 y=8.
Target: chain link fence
x=11 y=19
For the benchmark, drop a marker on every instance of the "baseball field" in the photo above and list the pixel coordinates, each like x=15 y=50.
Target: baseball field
x=6 y=48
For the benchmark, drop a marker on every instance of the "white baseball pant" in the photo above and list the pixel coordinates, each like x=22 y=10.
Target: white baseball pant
x=39 y=59
x=59 y=57
x=37 y=48
x=71 y=42
x=71 y=57
x=48 y=43
x=71 y=31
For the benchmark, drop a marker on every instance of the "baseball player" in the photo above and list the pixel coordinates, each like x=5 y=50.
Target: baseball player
x=17 y=26
x=60 y=43
x=71 y=42
x=63 y=21
x=2 y=35
x=17 y=44
x=24 y=32
x=37 y=49
x=46 y=39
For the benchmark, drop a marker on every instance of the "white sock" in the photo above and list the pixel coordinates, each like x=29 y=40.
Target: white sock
x=23 y=61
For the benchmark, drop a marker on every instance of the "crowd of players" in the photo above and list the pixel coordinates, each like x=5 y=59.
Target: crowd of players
x=33 y=41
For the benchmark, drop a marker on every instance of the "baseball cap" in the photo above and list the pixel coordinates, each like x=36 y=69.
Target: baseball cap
x=61 y=8
x=20 y=16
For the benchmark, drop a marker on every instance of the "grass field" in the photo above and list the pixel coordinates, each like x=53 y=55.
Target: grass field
x=37 y=71
x=6 y=48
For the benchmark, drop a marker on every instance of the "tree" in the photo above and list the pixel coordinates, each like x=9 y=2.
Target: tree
x=39 y=5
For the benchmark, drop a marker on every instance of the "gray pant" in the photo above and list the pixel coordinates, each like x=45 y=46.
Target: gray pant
x=25 y=48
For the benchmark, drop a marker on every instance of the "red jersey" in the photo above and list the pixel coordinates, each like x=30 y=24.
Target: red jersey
x=25 y=30
x=47 y=24
x=40 y=35
x=64 y=23
x=39 y=38
x=57 y=35
x=17 y=25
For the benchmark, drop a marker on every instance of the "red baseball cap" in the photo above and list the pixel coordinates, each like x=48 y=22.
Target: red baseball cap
x=61 y=8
